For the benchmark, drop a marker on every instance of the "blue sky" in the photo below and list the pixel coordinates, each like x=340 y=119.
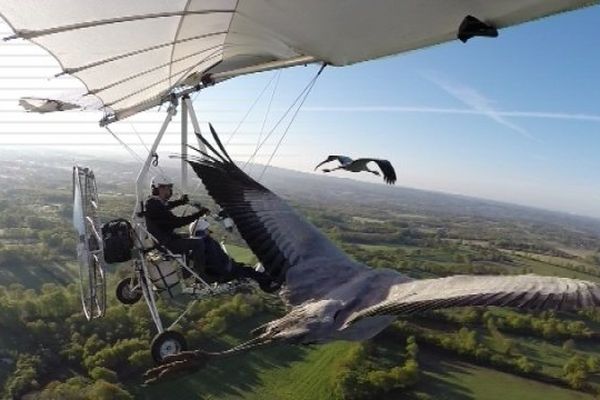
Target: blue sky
x=515 y=118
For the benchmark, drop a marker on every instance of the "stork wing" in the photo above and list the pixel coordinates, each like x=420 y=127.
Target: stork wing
x=291 y=249
x=523 y=291
x=341 y=159
x=389 y=174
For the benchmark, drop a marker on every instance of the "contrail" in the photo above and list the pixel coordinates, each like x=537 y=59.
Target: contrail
x=474 y=99
x=459 y=111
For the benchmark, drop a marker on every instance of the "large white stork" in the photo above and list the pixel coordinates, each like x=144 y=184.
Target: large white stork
x=360 y=165
x=330 y=296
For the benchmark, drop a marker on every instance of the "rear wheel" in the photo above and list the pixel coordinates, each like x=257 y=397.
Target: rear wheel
x=129 y=291
x=166 y=344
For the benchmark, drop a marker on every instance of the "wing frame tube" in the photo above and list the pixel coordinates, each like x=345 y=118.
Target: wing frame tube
x=213 y=79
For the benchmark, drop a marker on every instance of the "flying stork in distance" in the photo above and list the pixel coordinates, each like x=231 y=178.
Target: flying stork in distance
x=361 y=164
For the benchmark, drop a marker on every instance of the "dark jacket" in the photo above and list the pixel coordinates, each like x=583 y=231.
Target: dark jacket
x=161 y=222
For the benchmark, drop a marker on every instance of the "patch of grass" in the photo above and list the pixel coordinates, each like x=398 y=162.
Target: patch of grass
x=446 y=378
x=34 y=276
x=386 y=247
x=279 y=372
x=541 y=268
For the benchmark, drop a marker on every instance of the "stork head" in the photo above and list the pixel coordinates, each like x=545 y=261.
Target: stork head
x=312 y=322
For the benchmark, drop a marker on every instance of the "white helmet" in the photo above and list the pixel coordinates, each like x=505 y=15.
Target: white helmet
x=160 y=180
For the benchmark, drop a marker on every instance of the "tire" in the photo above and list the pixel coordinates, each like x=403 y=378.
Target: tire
x=166 y=344
x=124 y=293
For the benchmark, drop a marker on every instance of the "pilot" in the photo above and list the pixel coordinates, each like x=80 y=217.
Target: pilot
x=161 y=222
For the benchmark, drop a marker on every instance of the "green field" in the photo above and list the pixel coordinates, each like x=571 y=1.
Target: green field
x=423 y=241
x=282 y=372
x=291 y=373
x=34 y=276
x=451 y=379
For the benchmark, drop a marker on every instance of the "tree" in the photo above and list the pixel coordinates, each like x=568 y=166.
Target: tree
x=24 y=378
x=102 y=390
x=525 y=365
x=593 y=364
x=105 y=374
x=576 y=371
x=412 y=349
x=569 y=345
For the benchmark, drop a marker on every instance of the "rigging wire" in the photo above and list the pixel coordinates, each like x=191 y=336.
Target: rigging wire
x=139 y=137
x=125 y=145
x=262 y=128
x=311 y=85
x=250 y=109
x=308 y=87
x=154 y=165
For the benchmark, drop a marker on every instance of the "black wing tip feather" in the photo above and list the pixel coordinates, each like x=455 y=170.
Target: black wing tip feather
x=218 y=141
x=210 y=147
x=389 y=173
x=226 y=184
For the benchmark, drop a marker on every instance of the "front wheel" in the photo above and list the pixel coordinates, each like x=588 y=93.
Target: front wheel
x=166 y=344
x=129 y=291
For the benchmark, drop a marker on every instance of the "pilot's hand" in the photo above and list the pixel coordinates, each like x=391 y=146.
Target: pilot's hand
x=201 y=209
x=184 y=199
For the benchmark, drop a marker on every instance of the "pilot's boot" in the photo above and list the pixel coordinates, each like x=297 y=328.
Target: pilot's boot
x=265 y=282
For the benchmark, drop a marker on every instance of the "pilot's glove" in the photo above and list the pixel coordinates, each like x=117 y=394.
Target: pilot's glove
x=184 y=199
x=201 y=209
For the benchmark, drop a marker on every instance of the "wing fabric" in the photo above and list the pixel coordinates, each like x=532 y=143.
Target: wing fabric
x=157 y=46
x=290 y=248
x=523 y=291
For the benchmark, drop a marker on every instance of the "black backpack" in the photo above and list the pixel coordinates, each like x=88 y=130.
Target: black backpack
x=117 y=240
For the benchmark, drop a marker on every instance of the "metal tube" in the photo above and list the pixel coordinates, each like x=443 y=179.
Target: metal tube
x=184 y=143
x=144 y=170
x=217 y=77
x=148 y=293
x=290 y=62
x=30 y=34
x=195 y=123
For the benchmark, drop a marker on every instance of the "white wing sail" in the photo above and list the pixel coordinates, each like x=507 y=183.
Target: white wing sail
x=131 y=54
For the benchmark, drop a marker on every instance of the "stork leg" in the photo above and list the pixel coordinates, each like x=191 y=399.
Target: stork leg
x=190 y=361
x=186 y=361
x=330 y=170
